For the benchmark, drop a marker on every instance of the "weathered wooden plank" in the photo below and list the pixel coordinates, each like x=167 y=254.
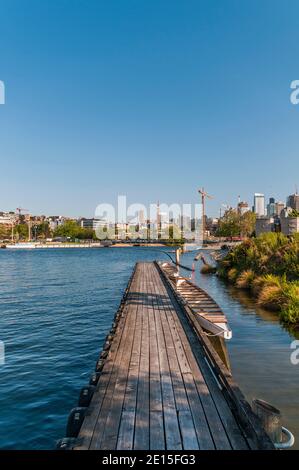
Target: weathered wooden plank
x=132 y=383
x=157 y=436
x=181 y=401
x=125 y=437
x=171 y=424
x=126 y=431
x=157 y=439
x=141 y=437
x=110 y=434
x=155 y=375
x=188 y=431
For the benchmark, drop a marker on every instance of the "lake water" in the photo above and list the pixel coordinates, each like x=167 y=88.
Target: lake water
x=56 y=307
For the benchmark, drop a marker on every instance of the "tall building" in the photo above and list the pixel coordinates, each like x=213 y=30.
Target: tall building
x=293 y=201
x=279 y=206
x=141 y=218
x=271 y=207
x=259 y=204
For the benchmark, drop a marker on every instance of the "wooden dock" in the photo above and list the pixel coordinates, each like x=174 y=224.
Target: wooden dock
x=162 y=385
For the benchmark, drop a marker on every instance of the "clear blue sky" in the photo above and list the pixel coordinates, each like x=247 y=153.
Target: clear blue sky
x=150 y=98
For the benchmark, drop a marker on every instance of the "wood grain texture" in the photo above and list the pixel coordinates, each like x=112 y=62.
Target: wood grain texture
x=156 y=390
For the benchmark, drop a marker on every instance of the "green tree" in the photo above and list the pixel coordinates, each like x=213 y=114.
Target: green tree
x=247 y=223
x=233 y=224
x=229 y=225
x=294 y=213
x=41 y=230
x=71 y=229
x=5 y=232
x=21 y=230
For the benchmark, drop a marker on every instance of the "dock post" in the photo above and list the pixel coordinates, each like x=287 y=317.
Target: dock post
x=177 y=255
x=270 y=418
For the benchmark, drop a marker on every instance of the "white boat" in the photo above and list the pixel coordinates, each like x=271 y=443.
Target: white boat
x=207 y=311
x=22 y=246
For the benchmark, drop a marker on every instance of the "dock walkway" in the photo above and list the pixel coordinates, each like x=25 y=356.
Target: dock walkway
x=157 y=389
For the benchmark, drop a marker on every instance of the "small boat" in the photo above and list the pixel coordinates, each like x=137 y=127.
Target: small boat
x=23 y=246
x=208 y=313
x=3 y=246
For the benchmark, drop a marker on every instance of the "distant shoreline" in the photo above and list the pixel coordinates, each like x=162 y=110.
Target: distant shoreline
x=42 y=246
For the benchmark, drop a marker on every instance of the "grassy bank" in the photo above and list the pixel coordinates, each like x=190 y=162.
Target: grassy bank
x=268 y=266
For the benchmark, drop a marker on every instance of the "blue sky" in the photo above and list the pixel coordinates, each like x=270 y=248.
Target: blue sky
x=151 y=99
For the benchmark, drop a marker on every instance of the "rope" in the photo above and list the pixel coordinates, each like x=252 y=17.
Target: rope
x=216 y=334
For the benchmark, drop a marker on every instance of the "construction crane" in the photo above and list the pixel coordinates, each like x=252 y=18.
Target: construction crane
x=19 y=212
x=204 y=194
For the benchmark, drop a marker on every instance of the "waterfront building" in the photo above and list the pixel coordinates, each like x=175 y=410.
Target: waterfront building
x=289 y=224
x=293 y=201
x=243 y=207
x=92 y=223
x=6 y=219
x=271 y=207
x=55 y=221
x=264 y=225
x=279 y=206
x=259 y=204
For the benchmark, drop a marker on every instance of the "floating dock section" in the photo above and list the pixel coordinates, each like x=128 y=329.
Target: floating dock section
x=159 y=383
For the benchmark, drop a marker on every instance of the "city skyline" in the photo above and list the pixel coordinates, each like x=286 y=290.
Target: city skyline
x=241 y=204
x=151 y=98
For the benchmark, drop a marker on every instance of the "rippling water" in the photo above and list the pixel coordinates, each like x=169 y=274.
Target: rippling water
x=56 y=307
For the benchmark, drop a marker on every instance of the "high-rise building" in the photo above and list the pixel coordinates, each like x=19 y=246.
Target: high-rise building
x=141 y=218
x=259 y=204
x=279 y=206
x=293 y=201
x=271 y=207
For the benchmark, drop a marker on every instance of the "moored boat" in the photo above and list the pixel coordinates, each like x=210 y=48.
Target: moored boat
x=207 y=311
x=24 y=245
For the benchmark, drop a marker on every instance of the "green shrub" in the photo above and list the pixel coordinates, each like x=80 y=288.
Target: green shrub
x=269 y=266
x=232 y=274
x=245 y=279
x=290 y=309
x=271 y=297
